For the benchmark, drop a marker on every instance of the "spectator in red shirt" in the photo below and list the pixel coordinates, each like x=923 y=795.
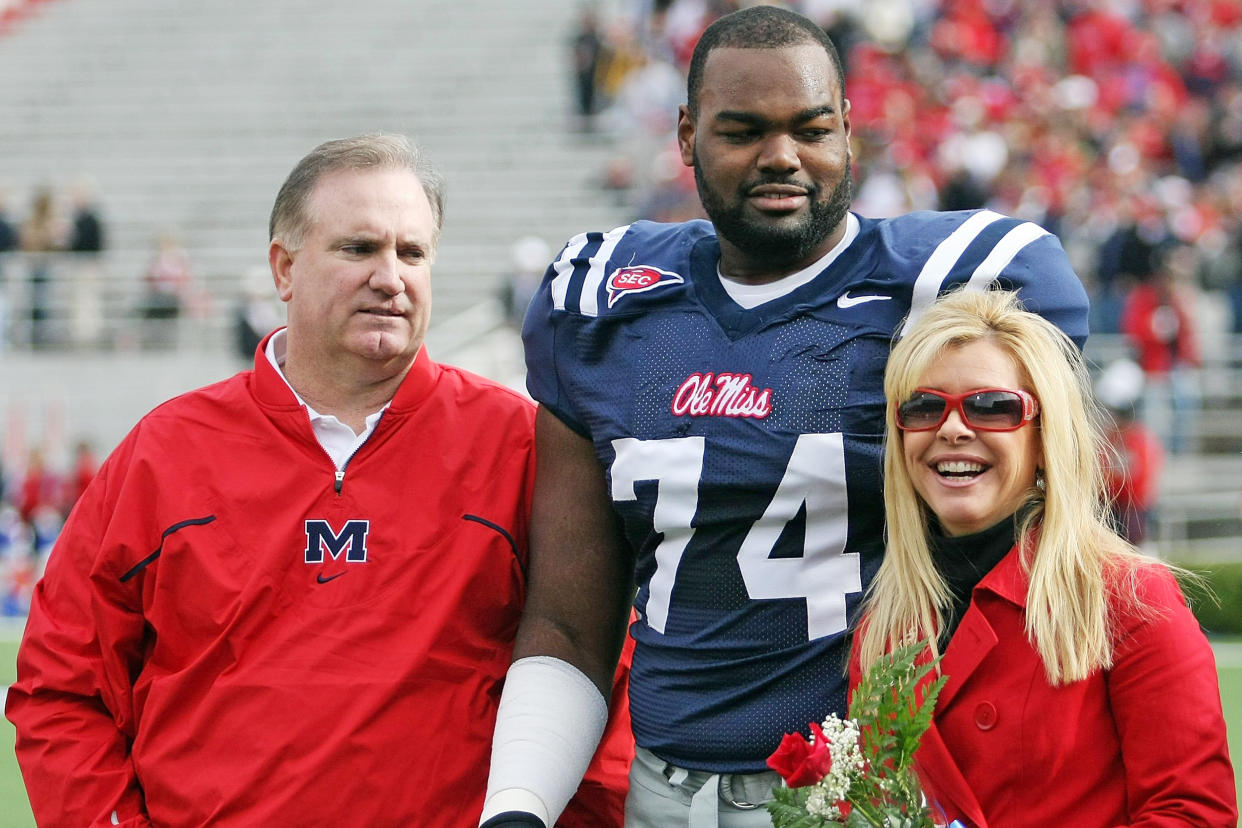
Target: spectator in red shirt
x=85 y=465
x=1158 y=322
x=40 y=488
x=1134 y=456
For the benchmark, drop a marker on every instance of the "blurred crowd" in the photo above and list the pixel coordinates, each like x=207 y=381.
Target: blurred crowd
x=29 y=266
x=38 y=487
x=1115 y=124
x=58 y=291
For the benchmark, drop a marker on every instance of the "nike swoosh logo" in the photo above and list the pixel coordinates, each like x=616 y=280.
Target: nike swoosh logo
x=324 y=580
x=847 y=301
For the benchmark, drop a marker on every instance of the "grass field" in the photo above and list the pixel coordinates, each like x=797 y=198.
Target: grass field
x=15 y=808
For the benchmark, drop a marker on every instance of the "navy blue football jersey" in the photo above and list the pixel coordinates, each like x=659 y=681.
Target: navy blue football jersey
x=743 y=450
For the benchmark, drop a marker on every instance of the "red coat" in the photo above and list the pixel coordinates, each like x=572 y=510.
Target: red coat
x=1142 y=744
x=193 y=657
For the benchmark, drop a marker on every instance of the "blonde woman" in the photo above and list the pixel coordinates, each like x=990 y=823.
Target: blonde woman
x=1080 y=689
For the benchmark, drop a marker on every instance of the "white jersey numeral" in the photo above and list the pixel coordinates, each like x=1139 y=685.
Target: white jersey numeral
x=825 y=574
x=815 y=478
x=675 y=464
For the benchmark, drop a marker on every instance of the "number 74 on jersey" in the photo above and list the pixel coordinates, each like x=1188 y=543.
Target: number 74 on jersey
x=815 y=477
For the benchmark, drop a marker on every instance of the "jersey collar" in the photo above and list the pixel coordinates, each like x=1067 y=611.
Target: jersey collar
x=737 y=321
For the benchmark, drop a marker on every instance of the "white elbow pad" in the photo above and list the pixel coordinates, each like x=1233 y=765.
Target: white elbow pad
x=549 y=724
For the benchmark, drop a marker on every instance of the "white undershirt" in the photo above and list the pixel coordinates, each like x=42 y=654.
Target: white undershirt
x=337 y=439
x=752 y=296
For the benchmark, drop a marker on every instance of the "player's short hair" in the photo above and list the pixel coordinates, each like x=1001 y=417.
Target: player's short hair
x=290 y=217
x=756 y=27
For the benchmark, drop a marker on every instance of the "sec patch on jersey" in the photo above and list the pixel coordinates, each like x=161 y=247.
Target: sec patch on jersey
x=638 y=279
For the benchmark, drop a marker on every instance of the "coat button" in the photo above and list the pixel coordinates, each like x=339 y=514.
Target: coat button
x=985 y=716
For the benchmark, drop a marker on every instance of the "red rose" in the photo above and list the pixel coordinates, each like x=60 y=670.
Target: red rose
x=801 y=762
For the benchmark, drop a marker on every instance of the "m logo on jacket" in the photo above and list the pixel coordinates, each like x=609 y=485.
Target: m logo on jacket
x=352 y=540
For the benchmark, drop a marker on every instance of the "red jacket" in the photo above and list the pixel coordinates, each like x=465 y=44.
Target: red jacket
x=1159 y=326
x=1142 y=744
x=224 y=636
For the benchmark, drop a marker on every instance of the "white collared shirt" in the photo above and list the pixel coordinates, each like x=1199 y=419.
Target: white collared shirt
x=337 y=439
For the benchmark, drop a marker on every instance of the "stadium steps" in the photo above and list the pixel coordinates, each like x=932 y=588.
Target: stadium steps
x=188 y=115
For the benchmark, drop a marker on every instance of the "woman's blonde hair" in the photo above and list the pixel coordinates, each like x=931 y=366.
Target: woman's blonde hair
x=1066 y=544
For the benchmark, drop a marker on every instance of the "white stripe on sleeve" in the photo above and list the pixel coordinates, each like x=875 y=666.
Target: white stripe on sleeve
x=588 y=304
x=940 y=262
x=1001 y=255
x=564 y=267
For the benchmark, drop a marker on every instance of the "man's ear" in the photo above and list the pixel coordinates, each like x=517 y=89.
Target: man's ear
x=281 y=262
x=685 y=134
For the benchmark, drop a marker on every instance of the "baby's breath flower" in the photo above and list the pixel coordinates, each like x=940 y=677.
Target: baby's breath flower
x=821 y=804
x=871 y=777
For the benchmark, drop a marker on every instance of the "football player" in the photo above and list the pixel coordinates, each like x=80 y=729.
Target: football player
x=710 y=430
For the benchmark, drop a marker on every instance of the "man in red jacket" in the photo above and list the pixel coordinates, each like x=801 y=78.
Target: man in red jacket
x=290 y=598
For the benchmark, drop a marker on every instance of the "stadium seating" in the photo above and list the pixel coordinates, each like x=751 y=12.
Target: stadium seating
x=188 y=115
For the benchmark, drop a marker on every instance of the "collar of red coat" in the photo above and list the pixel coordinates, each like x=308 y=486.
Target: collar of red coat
x=1008 y=579
x=271 y=389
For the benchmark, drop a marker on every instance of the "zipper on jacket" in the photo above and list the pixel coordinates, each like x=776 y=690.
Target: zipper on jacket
x=340 y=473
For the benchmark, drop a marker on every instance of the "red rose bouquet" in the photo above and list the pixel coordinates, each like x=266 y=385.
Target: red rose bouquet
x=859 y=771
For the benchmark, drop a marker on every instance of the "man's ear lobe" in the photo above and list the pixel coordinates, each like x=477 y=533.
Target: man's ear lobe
x=685 y=135
x=281 y=262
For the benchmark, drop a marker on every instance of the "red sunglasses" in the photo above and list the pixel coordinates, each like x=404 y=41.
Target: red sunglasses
x=984 y=409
